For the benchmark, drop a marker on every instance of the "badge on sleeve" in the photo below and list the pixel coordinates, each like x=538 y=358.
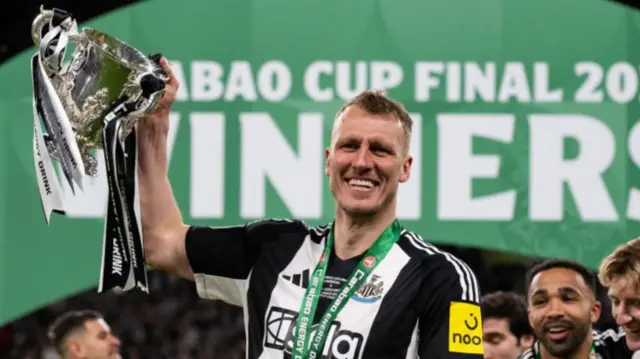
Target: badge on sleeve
x=465 y=328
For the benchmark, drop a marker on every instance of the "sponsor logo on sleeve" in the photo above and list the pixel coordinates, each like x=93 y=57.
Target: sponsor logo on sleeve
x=465 y=328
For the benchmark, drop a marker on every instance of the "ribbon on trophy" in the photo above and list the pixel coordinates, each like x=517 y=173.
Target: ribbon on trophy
x=59 y=139
x=122 y=244
x=63 y=118
x=123 y=263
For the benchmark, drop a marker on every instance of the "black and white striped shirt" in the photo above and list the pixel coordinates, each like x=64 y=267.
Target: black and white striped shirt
x=609 y=344
x=419 y=302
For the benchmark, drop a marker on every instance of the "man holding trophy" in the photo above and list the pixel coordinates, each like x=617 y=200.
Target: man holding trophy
x=359 y=287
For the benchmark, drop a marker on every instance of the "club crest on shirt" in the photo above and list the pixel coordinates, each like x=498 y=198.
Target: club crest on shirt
x=371 y=291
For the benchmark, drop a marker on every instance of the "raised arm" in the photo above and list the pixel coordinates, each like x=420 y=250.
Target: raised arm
x=219 y=260
x=163 y=229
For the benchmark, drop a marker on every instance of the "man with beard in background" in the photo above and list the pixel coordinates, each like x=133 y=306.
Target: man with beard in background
x=84 y=335
x=620 y=273
x=562 y=310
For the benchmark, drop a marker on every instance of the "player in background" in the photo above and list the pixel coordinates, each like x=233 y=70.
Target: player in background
x=562 y=311
x=506 y=330
x=620 y=274
x=84 y=334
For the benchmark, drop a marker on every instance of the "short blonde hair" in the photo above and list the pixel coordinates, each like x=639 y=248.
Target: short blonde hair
x=624 y=262
x=376 y=102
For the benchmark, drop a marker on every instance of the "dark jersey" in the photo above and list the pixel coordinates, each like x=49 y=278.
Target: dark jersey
x=419 y=302
x=609 y=344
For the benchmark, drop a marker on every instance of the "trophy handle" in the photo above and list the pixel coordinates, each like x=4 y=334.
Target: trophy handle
x=46 y=17
x=43 y=18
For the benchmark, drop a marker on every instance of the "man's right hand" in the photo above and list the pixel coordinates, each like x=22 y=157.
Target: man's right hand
x=160 y=116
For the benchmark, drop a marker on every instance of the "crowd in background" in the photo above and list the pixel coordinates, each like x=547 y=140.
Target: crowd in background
x=173 y=322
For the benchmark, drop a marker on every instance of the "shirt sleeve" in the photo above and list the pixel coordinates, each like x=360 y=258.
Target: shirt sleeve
x=222 y=258
x=450 y=322
x=612 y=341
x=527 y=354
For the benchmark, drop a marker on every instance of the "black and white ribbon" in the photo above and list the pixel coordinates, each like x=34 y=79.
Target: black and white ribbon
x=123 y=265
x=48 y=112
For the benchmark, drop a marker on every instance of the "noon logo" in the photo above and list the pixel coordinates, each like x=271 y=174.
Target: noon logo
x=465 y=328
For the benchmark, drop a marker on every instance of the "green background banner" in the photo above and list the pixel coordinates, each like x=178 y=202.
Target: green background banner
x=526 y=115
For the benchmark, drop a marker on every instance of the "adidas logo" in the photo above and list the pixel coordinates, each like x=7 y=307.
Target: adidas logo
x=300 y=279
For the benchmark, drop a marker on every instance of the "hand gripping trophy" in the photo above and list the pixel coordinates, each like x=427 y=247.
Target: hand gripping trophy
x=87 y=103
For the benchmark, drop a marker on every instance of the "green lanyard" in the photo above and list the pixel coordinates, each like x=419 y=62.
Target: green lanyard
x=592 y=353
x=301 y=348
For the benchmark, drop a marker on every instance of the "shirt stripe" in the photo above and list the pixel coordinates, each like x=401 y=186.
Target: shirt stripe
x=468 y=281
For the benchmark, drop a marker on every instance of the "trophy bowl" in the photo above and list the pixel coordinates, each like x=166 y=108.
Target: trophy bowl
x=101 y=70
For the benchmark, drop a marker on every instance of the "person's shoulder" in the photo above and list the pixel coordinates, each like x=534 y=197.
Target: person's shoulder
x=432 y=256
x=609 y=335
x=440 y=268
x=532 y=352
x=277 y=226
x=610 y=338
x=527 y=354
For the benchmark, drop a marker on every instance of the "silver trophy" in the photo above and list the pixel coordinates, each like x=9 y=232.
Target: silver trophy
x=89 y=89
x=101 y=69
